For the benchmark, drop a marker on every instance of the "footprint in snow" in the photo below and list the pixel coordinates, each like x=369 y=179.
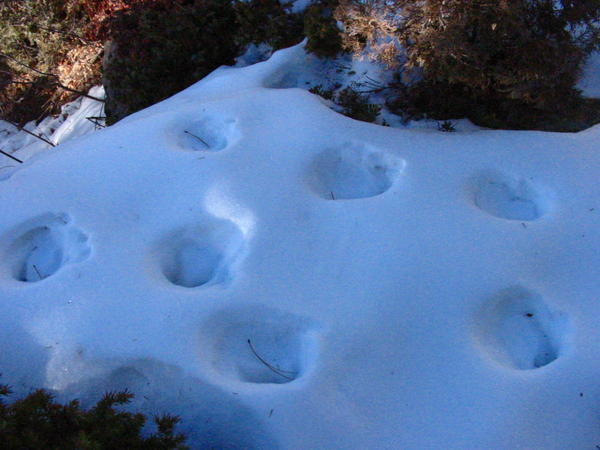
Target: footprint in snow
x=202 y=255
x=46 y=247
x=509 y=198
x=519 y=330
x=211 y=133
x=353 y=171
x=259 y=345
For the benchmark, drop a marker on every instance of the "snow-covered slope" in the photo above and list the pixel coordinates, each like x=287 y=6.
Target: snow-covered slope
x=282 y=276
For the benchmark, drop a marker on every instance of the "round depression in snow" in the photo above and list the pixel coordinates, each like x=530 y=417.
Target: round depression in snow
x=259 y=345
x=210 y=133
x=353 y=171
x=202 y=255
x=47 y=244
x=519 y=330
x=509 y=197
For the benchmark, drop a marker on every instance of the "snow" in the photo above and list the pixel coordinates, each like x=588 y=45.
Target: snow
x=44 y=249
x=512 y=199
x=590 y=79
x=353 y=171
x=282 y=276
x=77 y=118
x=300 y=5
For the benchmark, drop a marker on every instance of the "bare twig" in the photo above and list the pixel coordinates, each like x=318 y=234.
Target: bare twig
x=29 y=132
x=197 y=137
x=371 y=91
x=371 y=85
x=75 y=91
x=11 y=156
x=274 y=369
x=373 y=80
x=341 y=66
x=37 y=271
x=15 y=60
x=96 y=121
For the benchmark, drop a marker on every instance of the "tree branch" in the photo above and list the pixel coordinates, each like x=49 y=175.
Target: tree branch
x=62 y=86
x=4 y=55
x=11 y=156
x=20 y=128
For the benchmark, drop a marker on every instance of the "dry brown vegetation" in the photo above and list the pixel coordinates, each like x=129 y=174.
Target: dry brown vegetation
x=507 y=64
x=50 y=51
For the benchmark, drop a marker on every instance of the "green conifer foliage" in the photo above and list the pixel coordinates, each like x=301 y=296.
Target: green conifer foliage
x=38 y=422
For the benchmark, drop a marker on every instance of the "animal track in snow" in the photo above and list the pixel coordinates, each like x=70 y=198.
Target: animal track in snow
x=260 y=345
x=519 y=330
x=202 y=255
x=50 y=243
x=354 y=171
x=509 y=198
x=211 y=133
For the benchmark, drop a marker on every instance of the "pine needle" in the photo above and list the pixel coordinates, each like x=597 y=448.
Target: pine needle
x=274 y=369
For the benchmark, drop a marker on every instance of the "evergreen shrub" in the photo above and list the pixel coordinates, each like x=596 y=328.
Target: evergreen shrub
x=503 y=64
x=267 y=21
x=160 y=47
x=320 y=27
x=41 y=37
x=38 y=422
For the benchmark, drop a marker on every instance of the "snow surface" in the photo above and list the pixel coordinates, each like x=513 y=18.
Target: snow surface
x=590 y=79
x=282 y=276
x=76 y=119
